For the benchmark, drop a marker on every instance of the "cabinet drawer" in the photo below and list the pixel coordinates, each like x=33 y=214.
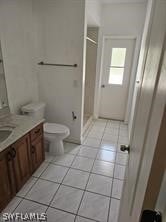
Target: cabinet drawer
x=36 y=132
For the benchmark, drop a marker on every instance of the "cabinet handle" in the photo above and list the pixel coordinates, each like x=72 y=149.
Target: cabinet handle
x=13 y=153
x=74 y=116
x=33 y=149
x=9 y=156
x=37 y=131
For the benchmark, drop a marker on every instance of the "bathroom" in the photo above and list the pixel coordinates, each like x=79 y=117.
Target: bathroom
x=60 y=158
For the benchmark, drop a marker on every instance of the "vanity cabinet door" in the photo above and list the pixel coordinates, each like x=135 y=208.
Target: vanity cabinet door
x=37 y=152
x=21 y=161
x=18 y=162
x=7 y=187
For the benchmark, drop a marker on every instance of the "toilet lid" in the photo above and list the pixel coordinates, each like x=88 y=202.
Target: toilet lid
x=55 y=128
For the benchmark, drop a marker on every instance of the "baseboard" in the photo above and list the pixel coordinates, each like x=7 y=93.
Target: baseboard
x=73 y=141
x=88 y=123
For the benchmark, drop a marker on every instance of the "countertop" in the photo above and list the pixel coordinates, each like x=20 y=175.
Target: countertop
x=20 y=125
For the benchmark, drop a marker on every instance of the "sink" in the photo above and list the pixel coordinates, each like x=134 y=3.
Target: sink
x=4 y=134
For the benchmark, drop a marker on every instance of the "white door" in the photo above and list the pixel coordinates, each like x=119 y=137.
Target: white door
x=116 y=71
x=149 y=111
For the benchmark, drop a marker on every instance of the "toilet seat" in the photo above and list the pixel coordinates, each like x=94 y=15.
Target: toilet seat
x=53 y=128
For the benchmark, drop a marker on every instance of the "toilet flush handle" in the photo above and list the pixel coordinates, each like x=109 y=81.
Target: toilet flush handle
x=74 y=116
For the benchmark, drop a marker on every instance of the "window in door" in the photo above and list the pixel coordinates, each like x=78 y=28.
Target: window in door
x=117 y=66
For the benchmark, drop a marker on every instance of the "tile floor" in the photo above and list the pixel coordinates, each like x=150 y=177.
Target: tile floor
x=83 y=185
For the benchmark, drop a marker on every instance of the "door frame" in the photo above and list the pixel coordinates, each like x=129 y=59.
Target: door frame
x=132 y=76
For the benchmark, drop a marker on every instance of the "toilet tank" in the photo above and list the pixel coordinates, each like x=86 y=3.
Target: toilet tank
x=35 y=110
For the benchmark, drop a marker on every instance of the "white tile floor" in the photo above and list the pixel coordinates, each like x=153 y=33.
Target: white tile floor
x=83 y=185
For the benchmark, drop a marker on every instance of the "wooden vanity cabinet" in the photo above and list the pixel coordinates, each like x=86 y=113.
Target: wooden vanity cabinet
x=18 y=162
x=7 y=187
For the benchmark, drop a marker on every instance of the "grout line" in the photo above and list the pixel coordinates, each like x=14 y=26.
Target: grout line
x=61 y=210
x=112 y=185
x=114 y=167
x=58 y=164
x=85 y=188
x=17 y=204
x=60 y=185
x=87 y=182
x=87 y=218
x=76 y=215
x=111 y=191
x=84 y=172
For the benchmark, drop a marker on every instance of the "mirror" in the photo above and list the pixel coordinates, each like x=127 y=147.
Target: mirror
x=3 y=90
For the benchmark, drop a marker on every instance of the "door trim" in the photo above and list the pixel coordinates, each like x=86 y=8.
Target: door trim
x=132 y=78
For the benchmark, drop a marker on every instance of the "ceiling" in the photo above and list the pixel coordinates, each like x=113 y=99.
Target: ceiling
x=121 y=1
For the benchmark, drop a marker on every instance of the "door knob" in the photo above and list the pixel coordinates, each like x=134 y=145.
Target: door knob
x=13 y=153
x=33 y=149
x=103 y=86
x=9 y=156
x=125 y=148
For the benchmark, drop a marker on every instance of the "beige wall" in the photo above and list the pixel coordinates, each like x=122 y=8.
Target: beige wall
x=16 y=36
x=93 y=12
x=60 y=26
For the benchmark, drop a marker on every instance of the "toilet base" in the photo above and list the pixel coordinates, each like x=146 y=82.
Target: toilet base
x=56 y=148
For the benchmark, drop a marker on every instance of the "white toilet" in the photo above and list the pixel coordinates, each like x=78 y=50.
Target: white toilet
x=54 y=133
